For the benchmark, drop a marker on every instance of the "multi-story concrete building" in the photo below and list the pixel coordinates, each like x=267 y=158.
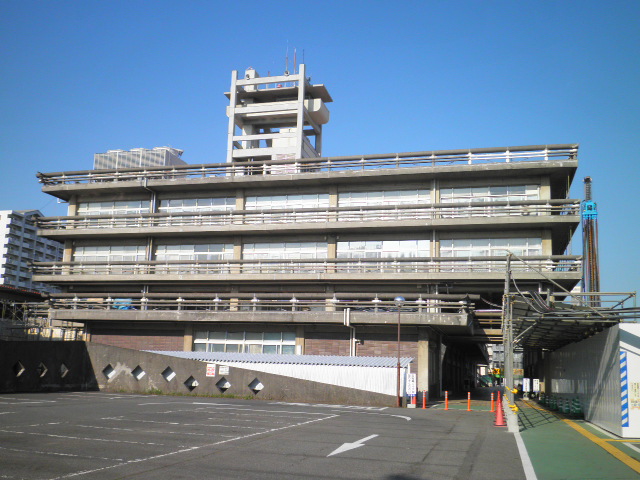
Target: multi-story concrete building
x=21 y=246
x=281 y=250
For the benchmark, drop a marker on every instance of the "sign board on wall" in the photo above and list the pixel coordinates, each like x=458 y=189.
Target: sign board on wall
x=211 y=370
x=223 y=369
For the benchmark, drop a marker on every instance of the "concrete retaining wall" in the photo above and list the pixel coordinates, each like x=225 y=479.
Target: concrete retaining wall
x=92 y=366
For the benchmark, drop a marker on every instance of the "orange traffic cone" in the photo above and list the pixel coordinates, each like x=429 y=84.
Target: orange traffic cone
x=499 y=414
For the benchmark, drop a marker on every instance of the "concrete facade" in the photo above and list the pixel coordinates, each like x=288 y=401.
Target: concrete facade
x=280 y=250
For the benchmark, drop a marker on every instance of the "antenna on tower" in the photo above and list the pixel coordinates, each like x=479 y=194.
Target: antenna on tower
x=295 y=63
x=286 y=61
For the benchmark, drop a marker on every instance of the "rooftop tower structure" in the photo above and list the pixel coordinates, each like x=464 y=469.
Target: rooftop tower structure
x=138 y=157
x=275 y=117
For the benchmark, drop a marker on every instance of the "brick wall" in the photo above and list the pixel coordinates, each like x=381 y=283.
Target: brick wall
x=326 y=343
x=386 y=345
x=140 y=339
x=375 y=343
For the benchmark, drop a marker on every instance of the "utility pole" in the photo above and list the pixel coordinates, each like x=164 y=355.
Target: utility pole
x=507 y=330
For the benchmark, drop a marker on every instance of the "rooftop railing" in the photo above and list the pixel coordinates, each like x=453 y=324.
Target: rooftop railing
x=341 y=214
x=425 y=265
x=317 y=165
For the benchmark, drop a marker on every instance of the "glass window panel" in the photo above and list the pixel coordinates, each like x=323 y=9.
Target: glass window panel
x=257 y=348
x=233 y=348
x=288 y=349
x=272 y=336
x=461 y=243
x=235 y=336
x=273 y=349
x=199 y=347
x=288 y=336
x=217 y=335
x=254 y=336
x=200 y=335
x=216 y=347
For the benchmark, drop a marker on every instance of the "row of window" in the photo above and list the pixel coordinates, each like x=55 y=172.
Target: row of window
x=500 y=193
x=245 y=342
x=316 y=200
x=476 y=247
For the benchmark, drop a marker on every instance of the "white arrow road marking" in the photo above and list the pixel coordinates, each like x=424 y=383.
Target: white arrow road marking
x=350 y=446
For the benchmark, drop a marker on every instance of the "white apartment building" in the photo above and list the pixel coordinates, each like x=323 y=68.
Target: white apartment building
x=21 y=246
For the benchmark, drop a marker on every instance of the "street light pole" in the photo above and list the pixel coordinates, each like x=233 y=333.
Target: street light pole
x=399 y=301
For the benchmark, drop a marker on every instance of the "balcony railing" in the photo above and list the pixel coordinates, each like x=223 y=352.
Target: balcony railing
x=336 y=214
x=427 y=265
x=216 y=304
x=317 y=165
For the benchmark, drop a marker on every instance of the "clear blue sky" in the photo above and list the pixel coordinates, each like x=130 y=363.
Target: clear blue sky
x=85 y=77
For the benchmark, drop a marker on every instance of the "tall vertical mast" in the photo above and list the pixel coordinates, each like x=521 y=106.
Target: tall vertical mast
x=591 y=268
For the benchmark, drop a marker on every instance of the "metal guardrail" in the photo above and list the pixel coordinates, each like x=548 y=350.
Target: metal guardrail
x=248 y=305
x=556 y=263
x=317 y=165
x=336 y=214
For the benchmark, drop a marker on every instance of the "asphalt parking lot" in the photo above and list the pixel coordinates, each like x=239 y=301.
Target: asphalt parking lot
x=96 y=435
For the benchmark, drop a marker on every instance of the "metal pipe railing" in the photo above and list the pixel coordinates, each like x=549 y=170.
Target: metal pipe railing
x=341 y=214
x=323 y=164
x=231 y=303
x=553 y=263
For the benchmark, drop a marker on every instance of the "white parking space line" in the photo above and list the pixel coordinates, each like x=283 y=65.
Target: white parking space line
x=13 y=401
x=325 y=405
x=227 y=412
x=157 y=432
x=120 y=419
x=190 y=449
x=271 y=411
x=70 y=437
x=60 y=454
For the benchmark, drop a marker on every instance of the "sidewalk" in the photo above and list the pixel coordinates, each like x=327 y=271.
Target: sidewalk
x=561 y=447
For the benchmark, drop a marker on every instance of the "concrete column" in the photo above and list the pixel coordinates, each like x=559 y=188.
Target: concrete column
x=188 y=337
x=332 y=249
x=547 y=243
x=300 y=339
x=429 y=362
x=423 y=359
x=333 y=196
x=232 y=115
x=545 y=188
x=240 y=200
x=73 y=206
x=237 y=254
x=301 y=111
x=332 y=246
x=234 y=302
x=68 y=251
